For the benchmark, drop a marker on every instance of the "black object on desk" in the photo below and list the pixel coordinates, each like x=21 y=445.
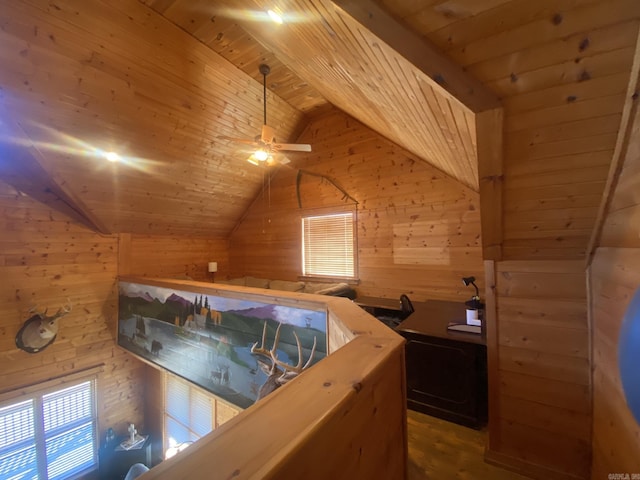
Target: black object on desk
x=115 y=462
x=446 y=370
x=389 y=311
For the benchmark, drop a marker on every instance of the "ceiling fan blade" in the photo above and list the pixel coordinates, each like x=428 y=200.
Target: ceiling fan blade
x=268 y=134
x=293 y=147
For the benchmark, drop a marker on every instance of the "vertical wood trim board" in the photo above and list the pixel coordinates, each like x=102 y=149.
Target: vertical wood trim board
x=489 y=126
x=493 y=361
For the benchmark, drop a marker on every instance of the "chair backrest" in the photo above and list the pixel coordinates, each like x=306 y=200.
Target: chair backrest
x=406 y=306
x=136 y=470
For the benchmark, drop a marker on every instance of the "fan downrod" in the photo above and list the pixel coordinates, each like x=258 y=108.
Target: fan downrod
x=264 y=69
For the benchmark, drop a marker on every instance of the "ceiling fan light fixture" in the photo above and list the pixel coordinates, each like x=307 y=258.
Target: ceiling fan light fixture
x=261 y=155
x=267 y=150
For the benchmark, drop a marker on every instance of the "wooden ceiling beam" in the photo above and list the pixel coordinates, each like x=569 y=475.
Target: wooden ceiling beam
x=446 y=75
x=20 y=167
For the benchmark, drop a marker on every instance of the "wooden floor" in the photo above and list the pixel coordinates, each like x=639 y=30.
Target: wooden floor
x=443 y=450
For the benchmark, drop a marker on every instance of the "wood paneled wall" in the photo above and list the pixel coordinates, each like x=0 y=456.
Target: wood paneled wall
x=182 y=257
x=540 y=402
x=418 y=230
x=562 y=70
x=45 y=260
x=614 y=278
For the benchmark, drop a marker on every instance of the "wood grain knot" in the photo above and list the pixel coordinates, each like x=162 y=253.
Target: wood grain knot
x=357 y=386
x=326 y=384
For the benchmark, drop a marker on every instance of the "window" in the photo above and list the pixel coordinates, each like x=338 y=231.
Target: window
x=328 y=245
x=49 y=434
x=188 y=416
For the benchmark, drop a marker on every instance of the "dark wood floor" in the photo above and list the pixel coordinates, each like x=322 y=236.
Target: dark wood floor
x=443 y=450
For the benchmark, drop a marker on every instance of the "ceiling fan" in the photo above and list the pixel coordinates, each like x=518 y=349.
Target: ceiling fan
x=267 y=149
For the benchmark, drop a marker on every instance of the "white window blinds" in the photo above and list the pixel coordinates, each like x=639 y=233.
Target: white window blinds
x=328 y=245
x=49 y=436
x=189 y=412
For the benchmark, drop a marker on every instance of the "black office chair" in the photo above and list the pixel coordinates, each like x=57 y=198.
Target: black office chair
x=406 y=307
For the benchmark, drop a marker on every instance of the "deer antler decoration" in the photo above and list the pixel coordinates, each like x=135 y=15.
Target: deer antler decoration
x=277 y=377
x=40 y=330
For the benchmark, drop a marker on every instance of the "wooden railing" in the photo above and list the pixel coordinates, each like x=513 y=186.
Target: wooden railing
x=345 y=417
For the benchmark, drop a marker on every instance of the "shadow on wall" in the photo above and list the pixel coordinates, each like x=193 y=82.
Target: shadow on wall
x=629 y=355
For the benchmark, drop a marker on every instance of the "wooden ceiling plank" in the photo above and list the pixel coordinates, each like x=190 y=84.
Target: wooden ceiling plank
x=405 y=86
x=434 y=143
x=497 y=20
x=434 y=146
x=411 y=88
x=444 y=74
x=466 y=128
x=441 y=124
x=413 y=115
x=437 y=16
x=468 y=166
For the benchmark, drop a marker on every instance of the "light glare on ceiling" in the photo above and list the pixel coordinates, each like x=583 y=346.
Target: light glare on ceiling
x=112 y=156
x=275 y=17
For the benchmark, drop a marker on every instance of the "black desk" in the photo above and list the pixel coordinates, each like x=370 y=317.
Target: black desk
x=446 y=371
x=114 y=464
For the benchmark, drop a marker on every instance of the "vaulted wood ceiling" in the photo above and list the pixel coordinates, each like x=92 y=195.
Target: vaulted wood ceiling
x=160 y=81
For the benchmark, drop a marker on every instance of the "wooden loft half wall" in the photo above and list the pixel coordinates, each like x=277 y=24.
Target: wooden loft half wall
x=344 y=418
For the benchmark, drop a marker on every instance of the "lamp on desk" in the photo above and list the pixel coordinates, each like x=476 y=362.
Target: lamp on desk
x=213 y=268
x=474 y=306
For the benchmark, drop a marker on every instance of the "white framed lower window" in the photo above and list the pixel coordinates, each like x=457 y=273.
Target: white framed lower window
x=49 y=434
x=189 y=414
